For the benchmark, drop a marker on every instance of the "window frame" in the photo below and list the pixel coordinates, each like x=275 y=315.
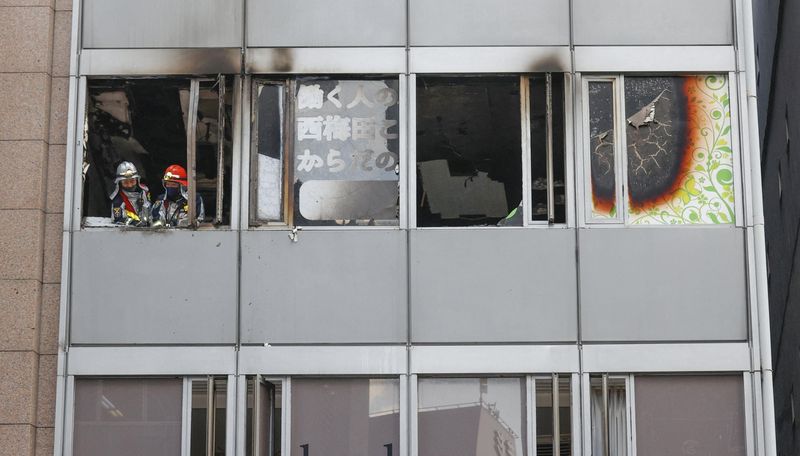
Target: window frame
x=214 y=221
x=249 y=220
x=584 y=193
x=525 y=162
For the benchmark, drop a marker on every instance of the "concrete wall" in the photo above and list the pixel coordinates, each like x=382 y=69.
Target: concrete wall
x=34 y=51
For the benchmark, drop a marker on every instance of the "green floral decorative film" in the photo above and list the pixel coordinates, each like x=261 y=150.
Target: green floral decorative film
x=680 y=160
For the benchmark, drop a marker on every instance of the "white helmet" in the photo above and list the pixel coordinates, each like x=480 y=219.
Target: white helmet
x=126 y=170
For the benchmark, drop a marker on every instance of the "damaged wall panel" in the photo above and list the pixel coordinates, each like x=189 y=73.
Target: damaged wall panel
x=281 y=23
x=159 y=24
x=493 y=286
x=485 y=23
x=653 y=22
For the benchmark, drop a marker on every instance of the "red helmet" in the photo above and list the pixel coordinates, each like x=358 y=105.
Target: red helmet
x=175 y=173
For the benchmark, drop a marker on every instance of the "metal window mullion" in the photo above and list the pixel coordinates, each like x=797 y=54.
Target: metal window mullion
x=631 y=415
x=530 y=388
x=220 y=146
x=621 y=155
x=256 y=420
x=287 y=417
x=606 y=430
x=186 y=423
x=240 y=432
x=191 y=148
x=549 y=133
x=575 y=415
x=411 y=165
x=69 y=418
x=230 y=415
x=288 y=151
x=413 y=415
x=586 y=414
x=210 y=416
x=402 y=153
x=556 y=422
x=525 y=143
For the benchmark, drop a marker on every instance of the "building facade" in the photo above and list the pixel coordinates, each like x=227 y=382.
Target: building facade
x=413 y=228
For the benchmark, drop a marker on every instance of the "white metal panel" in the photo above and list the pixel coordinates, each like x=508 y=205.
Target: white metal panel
x=626 y=22
x=388 y=60
x=496 y=359
x=322 y=360
x=666 y=357
x=161 y=24
x=489 y=59
x=482 y=23
x=274 y=23
x=151 y=360
x=159 y=62
x=655 y=58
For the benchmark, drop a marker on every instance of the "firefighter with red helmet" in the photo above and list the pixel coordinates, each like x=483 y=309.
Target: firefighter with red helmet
x=171 y=209
x=130 y=200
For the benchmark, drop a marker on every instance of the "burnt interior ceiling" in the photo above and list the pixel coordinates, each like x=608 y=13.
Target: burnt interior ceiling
x=468 y=137
x=143 y=121
x=656 y=133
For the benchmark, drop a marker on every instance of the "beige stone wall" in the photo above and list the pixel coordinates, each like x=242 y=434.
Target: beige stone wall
x=34 y=69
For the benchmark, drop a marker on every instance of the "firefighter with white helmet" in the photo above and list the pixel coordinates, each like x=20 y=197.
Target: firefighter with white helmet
x=171 y=209
x=130 y=200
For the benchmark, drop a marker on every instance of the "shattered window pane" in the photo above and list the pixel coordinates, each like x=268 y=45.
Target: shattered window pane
x=472 y=416
x=679 y=156
x=538 y=132
x=137 y=127
x=468 y=150
x=346 y=152
x=268 y=164
x=601 y=150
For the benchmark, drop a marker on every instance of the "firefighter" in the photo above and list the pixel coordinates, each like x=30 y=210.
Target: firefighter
x=172 y=208
x=130 y=200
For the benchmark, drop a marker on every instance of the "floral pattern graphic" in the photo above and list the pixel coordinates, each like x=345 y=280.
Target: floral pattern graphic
x=703 y=192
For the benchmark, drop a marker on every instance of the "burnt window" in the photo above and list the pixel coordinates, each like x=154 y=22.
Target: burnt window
x=659 y=150
x=325 y=151
x=150 y=140
x=490 y=150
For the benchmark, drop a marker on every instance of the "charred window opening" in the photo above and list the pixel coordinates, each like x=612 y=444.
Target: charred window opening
x=343 y=139
x=676 y=161
x=264 y=417
x=138 y=133
x=474 y=135
x=469 y=152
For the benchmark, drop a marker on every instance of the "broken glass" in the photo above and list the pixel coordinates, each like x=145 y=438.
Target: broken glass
x=268 y=143
x=602 y=150
x=539 y=145
x=468 y=150
x=346 y=152
x=144 y=122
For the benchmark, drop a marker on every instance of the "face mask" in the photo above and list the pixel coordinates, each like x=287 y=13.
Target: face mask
x=173 y=193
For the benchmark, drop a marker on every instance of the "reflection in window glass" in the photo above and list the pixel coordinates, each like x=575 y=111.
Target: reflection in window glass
x=609 y=417
x=127 y=417
x=345 y=417
x=201 y=424
x=601 y=150
x=545 y=418
x=690 y=415
x=679 y=156
x=346 y=152
x=468 y=150
x=144 y=122
x=472 y=417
